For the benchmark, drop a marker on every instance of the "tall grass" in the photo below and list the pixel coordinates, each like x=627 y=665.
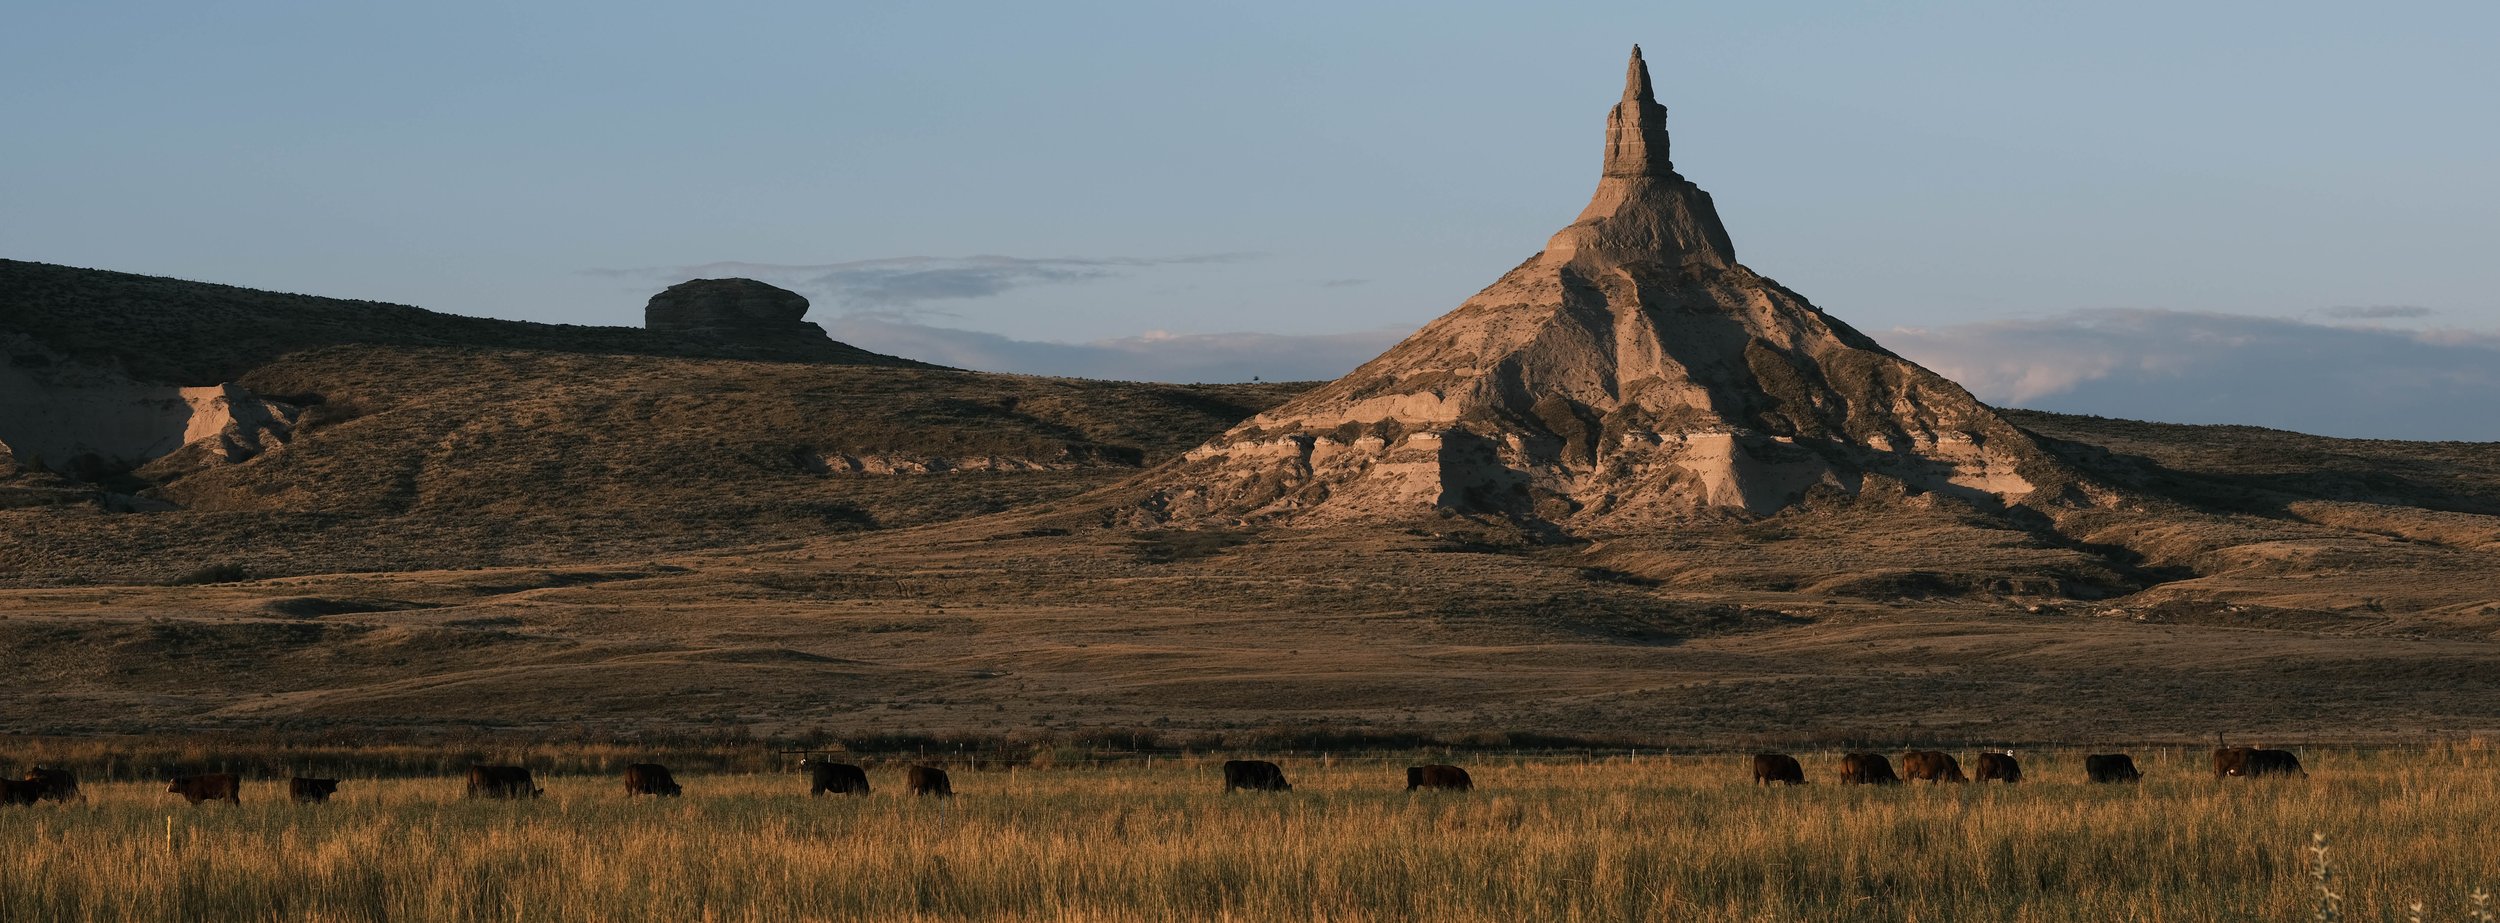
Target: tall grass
x=1654 y=839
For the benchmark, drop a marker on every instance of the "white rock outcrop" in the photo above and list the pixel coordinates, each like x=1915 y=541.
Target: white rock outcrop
x=85 y=420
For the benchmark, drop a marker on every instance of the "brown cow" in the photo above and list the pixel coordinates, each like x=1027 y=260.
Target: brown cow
x=838 y=778
x=927 y=780
x=502 y=782
x=13 y=791
x=311 y=791
x=1777 y=767
x=1447 y=778
x=1866 y=769
x=1931 y=766
x=650 y=779
x=1254 y=775
x=215 y=786
x=2253 y=761
x=2000 y=767
x=2110 y=767
x=58 y=784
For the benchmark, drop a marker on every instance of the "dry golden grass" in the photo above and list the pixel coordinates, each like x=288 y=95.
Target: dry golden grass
x=1653 y=839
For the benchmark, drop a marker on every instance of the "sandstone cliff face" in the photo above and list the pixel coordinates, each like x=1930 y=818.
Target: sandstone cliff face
x=83 y=420
x=1631 y=371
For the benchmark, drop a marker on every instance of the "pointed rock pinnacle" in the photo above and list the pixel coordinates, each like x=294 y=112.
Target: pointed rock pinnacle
x=1636 y=132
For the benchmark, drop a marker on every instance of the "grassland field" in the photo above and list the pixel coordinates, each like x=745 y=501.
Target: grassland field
x=1652 y=838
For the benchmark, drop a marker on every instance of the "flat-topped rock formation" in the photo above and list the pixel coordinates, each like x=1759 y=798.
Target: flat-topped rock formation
x=731 y=309
x=178 y=332
x=1633 y=370
x=102 y=372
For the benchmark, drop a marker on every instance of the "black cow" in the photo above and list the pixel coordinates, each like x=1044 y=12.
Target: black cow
x=838 y=778
x=13 y=791
x=1778 y=768
x=502 y=782
x=1866 y=769
x=215 y=786
x=1254 y=775
x=2111 y=767
x=928 y=780
x=650 y=779
x=311 y=791
x=58 y=784
x=1444 y=777
x=2253 y=761
x=1999 y=767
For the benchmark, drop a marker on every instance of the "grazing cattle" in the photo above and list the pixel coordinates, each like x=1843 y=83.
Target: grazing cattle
x=13 y=791
x=311 y=791
x=1447 y=778
x=58 y=784
x=2252 y=761
x=1931 y=766
x=502 y=782
x=215 y=786
x=1999 y=767
x=1866 y=769
x=2110 y=767
x=1255 y=775
x=650 y=779
x=1777 y=767
x=838 y=778
x=927 y=780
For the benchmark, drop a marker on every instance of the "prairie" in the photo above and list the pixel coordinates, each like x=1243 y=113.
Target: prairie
x=1621 y=838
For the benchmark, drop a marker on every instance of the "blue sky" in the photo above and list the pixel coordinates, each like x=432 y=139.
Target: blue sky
x=1128 y=189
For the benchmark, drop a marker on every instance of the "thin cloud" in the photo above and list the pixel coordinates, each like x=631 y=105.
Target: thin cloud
x=2197 y=367
x=909 y=283
x=2377 y=312
x=1154 y=356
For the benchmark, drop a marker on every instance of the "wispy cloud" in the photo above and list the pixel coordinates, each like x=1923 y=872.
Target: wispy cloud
x=2196 y=367
x=911 y=283
x=1146 y=357
x=2377 y=311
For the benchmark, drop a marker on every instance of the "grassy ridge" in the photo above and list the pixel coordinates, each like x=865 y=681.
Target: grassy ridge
x=1681 y=838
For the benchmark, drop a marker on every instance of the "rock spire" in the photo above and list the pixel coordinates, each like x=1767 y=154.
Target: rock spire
x=1636 y=132
x=1633 y=372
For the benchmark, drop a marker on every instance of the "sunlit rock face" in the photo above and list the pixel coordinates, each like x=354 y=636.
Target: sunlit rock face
x=86 y=420
x=1632 y=371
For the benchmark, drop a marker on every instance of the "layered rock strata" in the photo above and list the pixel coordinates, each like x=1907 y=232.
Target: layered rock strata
x=1633 y=370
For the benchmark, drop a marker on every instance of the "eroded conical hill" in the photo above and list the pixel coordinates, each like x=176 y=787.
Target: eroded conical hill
x=1631 y=370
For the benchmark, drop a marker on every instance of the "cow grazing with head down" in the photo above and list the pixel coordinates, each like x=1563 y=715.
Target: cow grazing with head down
x=928 y=780
x=1781 y=768
x=1931 y=766
x=1999 y=767
x=1866 y=769
x=215 y=786
x=311 y=791
x=838 y=778
x=2111 y=767
x=13 y=791
x=58 y=784
x=502 y=782
x=1254 y=775
x=2255 y=761
x=1438 y=776
x=650 y=779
